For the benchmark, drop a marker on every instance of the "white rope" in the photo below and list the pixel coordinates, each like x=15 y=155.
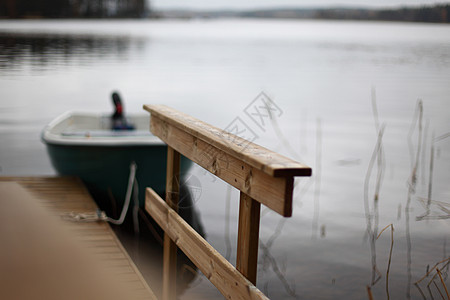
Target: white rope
x=85 y=217
x=127 y=197
x=101 y=215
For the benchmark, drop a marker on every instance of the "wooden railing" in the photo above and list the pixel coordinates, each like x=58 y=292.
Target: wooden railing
x=262 y=176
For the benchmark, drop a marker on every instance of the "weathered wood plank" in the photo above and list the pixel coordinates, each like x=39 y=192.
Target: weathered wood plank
x=254 y=155
x=274 y=192
x=230 y=282
x=170 y=248
x=248 y=237
x=97 y=238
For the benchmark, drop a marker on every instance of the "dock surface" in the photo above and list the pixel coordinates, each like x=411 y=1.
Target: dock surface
x=62 y=195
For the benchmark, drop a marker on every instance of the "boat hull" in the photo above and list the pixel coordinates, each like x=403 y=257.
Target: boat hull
x=106 y=170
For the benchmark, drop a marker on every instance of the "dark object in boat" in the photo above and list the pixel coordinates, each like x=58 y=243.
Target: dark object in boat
x=119 y=121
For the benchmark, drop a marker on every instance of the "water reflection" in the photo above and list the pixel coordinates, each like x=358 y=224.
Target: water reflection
x=372 y=214
x=434 y=210
x=269 y=260
x=416 y=125
x=43 y=51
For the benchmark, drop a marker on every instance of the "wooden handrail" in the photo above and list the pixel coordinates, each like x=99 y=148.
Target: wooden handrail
x=261 y=175
x=254 y=155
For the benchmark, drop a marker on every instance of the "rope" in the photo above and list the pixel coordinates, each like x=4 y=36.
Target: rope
x=85 y=217
x=126 y=204
x=101 y=215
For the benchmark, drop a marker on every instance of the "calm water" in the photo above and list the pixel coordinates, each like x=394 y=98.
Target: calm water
x=337 y=86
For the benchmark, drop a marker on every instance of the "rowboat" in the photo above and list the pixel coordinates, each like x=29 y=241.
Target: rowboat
x=92 y=147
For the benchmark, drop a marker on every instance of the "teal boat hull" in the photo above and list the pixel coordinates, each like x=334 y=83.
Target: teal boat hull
x=105 y=170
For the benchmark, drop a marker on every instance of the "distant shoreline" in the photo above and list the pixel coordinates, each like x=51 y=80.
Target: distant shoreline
x=438 y=13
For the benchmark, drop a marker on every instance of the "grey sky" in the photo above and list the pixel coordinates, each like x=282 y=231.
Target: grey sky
x=248 y=4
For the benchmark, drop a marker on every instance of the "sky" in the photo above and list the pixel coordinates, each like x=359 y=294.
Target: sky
x=250 y=4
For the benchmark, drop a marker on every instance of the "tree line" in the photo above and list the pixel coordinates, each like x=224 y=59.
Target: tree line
x=72 y=8
x=434 y=14
x=431 y=14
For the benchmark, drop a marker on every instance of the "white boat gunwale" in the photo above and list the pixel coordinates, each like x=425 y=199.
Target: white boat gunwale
x=66 y=130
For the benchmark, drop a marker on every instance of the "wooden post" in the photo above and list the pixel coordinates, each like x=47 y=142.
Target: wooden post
x=170 y=248
x=248 y=237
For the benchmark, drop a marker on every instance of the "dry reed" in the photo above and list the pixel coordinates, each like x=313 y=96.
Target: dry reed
x=390 y=256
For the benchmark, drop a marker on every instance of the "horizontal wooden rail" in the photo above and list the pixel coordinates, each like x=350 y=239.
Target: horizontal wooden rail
x=256 y=156
x=262 y=174
x=230 y=282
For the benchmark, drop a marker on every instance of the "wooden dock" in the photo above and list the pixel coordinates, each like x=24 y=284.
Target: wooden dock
x=58 y=196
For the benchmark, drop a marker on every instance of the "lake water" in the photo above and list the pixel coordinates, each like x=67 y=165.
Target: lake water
x=366 y=105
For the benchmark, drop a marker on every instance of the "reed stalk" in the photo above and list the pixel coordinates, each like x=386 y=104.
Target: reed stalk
x=390 y=256
x=443 y=283
x=317 y=181
x=369 y=292
x=432 y=269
